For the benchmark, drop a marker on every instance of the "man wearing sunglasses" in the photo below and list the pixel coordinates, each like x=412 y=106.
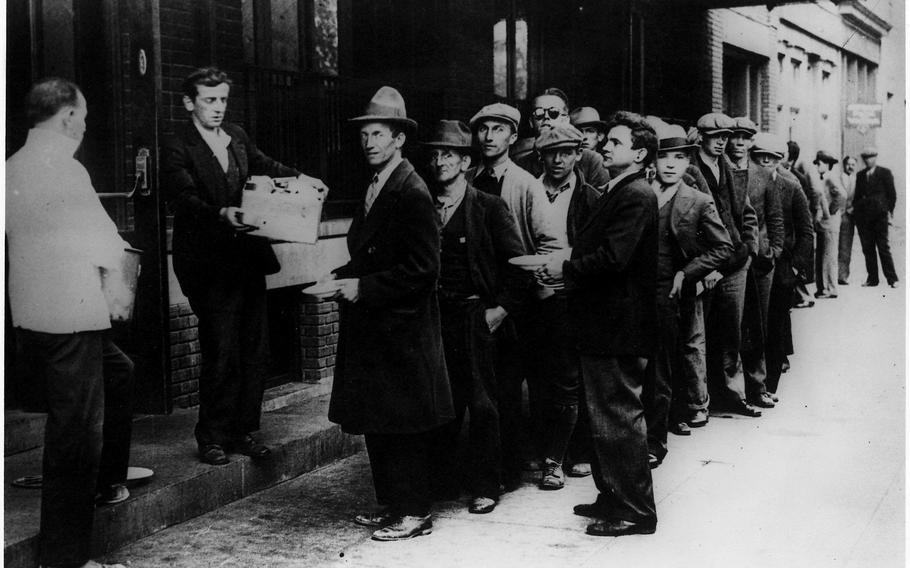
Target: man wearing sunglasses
x=551 y=108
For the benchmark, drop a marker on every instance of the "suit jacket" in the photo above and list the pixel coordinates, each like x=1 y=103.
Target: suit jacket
x=517 y=187
x=493 y=239
x=197 y=188
x=390 y=372
x=699 y=233
x=755 y=182
x=735 y=211
x=591 y=165
x=798 y=232
x=875 y=194
x=611 y=278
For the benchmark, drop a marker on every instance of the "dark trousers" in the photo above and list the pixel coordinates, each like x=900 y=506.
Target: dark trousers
x=233 y=339
x=87 y=382
x=400 y=465
x=845 y=246
x=660 y=390
x=873 y=236
x=780 y=339
x=560 y=376
x=612 y=392
x=723 y=309
x=470 y=352
x=755 y=324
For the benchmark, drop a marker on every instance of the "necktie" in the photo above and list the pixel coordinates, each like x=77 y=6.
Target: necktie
x=486 y=182
x=372 y=193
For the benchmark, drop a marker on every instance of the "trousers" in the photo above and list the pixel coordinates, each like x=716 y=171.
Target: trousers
x=723 y=308
x=873 y=236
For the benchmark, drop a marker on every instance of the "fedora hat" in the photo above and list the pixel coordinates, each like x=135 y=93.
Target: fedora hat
x=449 y=134
x=387 y=105
x=869 y=151
x=672 y=137
x=586 y=116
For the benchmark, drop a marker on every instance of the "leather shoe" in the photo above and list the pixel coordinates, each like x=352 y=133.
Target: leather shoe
x=825 y=296
x=553 y=476
x=580 y=469
x=405 y=527
x=869 y=284
x=774 y=397
x=382 y=518
x=619 y=527
x=213 y=454
x=744 y=408
x=680 y=429
x=763 y=400
x=482 y=505
x=594 y=510
x=893 y=284
x=654 y=461
x=804 y=304
x=699 y=419
x=843 y=283
x=248 y=446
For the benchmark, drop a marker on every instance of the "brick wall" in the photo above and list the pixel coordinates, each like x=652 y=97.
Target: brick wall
x=186 y=362
x=318 y=338
x=714 y=53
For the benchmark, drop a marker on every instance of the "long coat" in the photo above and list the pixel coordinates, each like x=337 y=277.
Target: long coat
x=197 y=188
x=755 y=182
x=611 y=278
x=700 y=234
x=390 y=372
x=798 y=232
x=875 y=195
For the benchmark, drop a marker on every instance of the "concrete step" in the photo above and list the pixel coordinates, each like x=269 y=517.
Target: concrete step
x=299 y=433
x=22 y=431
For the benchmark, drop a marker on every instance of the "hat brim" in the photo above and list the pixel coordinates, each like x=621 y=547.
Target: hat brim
x=598 y=123
x=777 y=155
x=407 y=122
x=713 y=131
x=497 y=118
x=559 y=146
x=745 y=131
x=441 y=144
x=686 y=147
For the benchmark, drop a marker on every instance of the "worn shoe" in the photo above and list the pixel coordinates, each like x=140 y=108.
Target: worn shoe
x=619 y=527
x=744 y=408
x=774 y=397
x=553 y=476
x=699 y=419
x=843 y=283
x=248 y=446
x=893 y=284
x=594 y=510
x=482 y=505
x=213 y=454
x=654 y=461
x=869 y=284
x=112 y=494
x=825 y=296
x=804 y=304
x=580 y=469
x=680 y=429
x=763 y=400
x=405 y=527
x=381 y=518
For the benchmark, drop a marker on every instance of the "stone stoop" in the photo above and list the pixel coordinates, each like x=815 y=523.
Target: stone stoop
x=301 y=437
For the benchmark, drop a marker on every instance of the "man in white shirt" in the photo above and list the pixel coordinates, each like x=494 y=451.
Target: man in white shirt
x=847 y=225
x=61 y=241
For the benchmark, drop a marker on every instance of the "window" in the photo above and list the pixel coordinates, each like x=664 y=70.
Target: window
x=745 y=75
x=510 y=58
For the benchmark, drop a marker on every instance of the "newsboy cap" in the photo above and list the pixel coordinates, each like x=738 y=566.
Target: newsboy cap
x=869 y=151
x=767 y=143
x=824 y=156
x=497 y=111
x=449 y=134
x=744 y=124
x=521 y=148
x=387 y=105
x=586 y=116
x=715 y=123
x=560 y=136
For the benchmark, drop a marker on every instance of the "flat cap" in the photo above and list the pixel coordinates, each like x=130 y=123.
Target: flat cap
x=715 y=123
x=744 y=124
x=869 y=151
x=497 y=111
x=824 y=156
x=560 y=136
x=586 y=116
x=767 y=143
x=521 y=148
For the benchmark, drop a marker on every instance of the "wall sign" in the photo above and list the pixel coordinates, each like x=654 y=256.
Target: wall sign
x=864 y=116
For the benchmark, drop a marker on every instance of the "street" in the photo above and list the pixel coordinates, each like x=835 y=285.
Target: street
x=817 y=481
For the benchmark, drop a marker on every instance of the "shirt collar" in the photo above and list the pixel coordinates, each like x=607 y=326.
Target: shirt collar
x=615 y=181
x=53 y=141
x=216 y=138
x=664 y=193
x=708 y=159
x=498 y=171
x=455 y=197
x=567 y=184
x=383 y=176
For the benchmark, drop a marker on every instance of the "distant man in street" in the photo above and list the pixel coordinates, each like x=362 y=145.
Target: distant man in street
x=828 y=185
x=220 y=265
x=478 y=290
x=61 y=241
x=550 y=108
x=391 y=383
x=873 y=208
x=611 y=280
x=847 y=223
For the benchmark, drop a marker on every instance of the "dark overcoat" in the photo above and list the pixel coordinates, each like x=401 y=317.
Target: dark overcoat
x=699 y=233
x=390 y=372
x=875 y=195
x=197 y=188
x=798 y=231
x=611 y=278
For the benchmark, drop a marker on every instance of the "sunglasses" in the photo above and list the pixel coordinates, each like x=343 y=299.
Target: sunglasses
x=553 y=113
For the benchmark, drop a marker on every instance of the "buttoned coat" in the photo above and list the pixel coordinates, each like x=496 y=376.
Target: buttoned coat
x=798 y=232
x=700 y=234
x=875 y=195
x=755 y=182
x=390 y=372
x=611 y=278
x=517 y=187
x=197 y=189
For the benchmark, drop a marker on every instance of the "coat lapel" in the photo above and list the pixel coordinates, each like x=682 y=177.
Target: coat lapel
x=381 y=208
x=607 y=197
x=210 y=172
x=682 y=204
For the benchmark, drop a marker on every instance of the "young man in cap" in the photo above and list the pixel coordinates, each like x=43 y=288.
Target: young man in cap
x=587 y=120
x=754 y=181
x=847 y=223
x=692 y=243
x=610 y=280
x=802 y=299
x=724 y=300
x=560 y=205
x=477 y=291
x=551 y=107
x=873 y=206
x=391 y=383
x=827 y=224
x=768 y=151
x=220 y=264
x=495 y=129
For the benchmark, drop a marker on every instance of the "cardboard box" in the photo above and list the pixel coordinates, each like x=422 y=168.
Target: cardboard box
x=283 y=209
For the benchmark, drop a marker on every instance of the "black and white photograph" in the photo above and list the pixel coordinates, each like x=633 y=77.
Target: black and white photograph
x=455 y=284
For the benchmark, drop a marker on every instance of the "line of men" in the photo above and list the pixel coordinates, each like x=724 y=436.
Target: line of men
x=630 y=273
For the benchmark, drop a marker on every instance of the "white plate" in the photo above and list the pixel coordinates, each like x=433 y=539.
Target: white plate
x=137 y=474
x=530 y=261
x=323 y=289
